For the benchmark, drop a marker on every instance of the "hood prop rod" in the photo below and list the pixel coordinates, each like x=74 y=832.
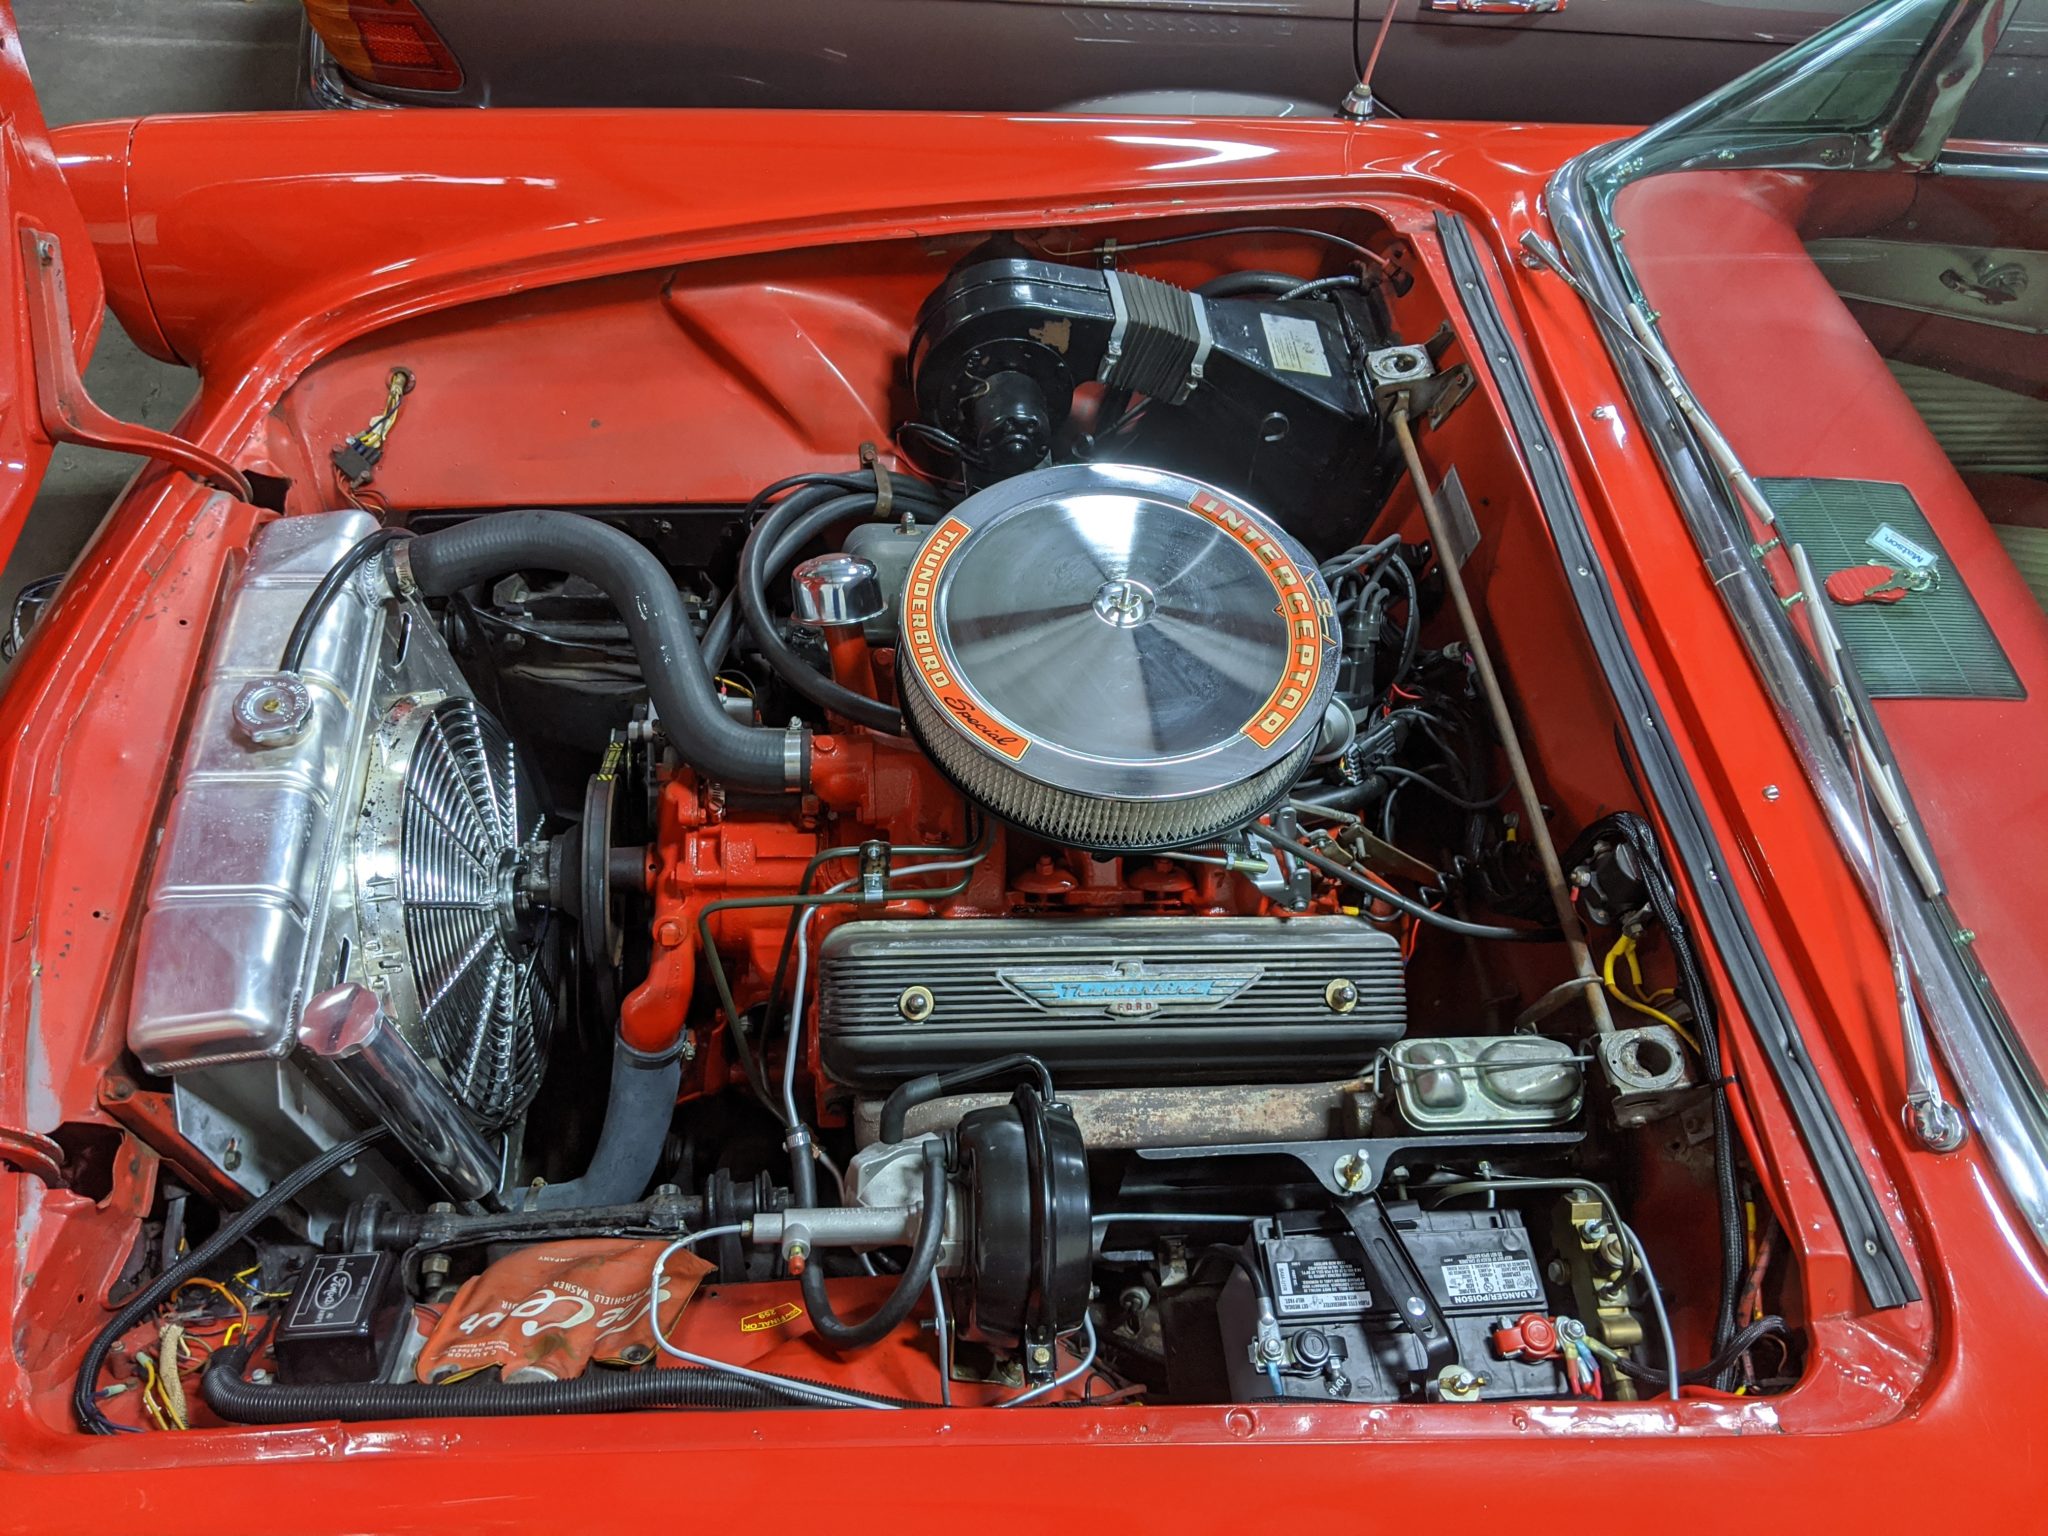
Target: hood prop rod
x=1503 y=722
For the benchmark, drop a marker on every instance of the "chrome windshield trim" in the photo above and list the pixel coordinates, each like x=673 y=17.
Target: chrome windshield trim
x=1946 y=74
x=2000 y=1084
x=1714 y=133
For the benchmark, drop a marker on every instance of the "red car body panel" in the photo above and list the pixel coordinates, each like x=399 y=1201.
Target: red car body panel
x=253 y=247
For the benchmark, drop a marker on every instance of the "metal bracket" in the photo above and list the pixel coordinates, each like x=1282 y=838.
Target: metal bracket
x=874 y=871
x=1282 y=878
x=1647 y=1071
x=1397 y=1281
x=152 y=1119
x=68 y=413
x=1350 y=1169
x=1446 y=392
x=1432 y=393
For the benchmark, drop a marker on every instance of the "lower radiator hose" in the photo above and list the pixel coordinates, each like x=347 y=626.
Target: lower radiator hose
x=636 y=1117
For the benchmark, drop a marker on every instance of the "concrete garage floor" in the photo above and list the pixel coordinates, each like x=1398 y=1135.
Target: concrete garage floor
x=124 y=58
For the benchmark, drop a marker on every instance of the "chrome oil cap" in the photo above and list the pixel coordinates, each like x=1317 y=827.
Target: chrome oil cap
x=1115 y=656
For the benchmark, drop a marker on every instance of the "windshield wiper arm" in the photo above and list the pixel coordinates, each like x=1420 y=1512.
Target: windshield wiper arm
x=1933 y=1121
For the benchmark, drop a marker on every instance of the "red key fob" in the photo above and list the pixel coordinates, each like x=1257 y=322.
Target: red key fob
x=1866 y=584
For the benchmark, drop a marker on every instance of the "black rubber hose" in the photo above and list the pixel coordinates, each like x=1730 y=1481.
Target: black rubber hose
x=637 y=1112
x=910 y=1286
x=718 y=635
x=808 y=511
x=912 y=496
x=803 y=1174
x=1315 y=287
x=84 y=1404
x=907 y=1095
x=1233 y=284
x=599 y=1390
x=354 y=559
x=446 y=561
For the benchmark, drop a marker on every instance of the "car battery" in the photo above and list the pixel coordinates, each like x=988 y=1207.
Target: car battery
x=1343 y=1341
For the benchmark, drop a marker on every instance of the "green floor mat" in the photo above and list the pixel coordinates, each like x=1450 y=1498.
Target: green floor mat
x=1933 y=645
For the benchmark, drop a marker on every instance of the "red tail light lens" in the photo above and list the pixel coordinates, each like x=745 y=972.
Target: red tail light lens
x=385 y=42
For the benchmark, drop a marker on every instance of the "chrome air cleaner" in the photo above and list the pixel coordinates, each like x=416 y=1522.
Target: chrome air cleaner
x=1116 y=658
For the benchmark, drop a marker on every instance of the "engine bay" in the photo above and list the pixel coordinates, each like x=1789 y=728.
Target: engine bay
x=1020 y=819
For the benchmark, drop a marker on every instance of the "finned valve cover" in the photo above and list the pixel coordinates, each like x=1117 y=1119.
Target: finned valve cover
x=1115 y=657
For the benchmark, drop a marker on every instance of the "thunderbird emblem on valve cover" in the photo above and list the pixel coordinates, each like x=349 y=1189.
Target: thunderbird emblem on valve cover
x=1127 y=988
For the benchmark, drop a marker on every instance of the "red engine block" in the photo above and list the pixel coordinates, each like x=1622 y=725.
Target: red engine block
x=864 y=786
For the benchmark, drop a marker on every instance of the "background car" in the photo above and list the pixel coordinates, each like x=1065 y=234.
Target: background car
x=1602 y=61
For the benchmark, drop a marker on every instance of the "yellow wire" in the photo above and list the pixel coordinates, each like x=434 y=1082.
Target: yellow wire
x=1625 y=949
x=149 y=1390
x=217 y=1288
x=243 y=1275
x=380 y=426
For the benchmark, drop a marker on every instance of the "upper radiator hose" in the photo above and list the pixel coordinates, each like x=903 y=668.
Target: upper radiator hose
x=444 y=562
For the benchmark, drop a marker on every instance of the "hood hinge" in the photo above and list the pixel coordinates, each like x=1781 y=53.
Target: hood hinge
x=68 y=413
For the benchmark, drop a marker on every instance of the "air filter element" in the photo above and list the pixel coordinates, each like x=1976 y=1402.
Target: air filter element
x=1116 y=658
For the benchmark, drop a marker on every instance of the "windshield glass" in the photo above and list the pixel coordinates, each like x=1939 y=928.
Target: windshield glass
x=1848 y=263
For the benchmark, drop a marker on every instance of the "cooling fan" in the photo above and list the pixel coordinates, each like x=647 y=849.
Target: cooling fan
x=456 y=940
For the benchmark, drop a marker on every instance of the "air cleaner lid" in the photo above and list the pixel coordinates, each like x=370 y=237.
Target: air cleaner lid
x=1119 y=632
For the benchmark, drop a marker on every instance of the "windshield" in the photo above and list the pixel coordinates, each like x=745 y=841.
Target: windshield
x=1845 y=257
